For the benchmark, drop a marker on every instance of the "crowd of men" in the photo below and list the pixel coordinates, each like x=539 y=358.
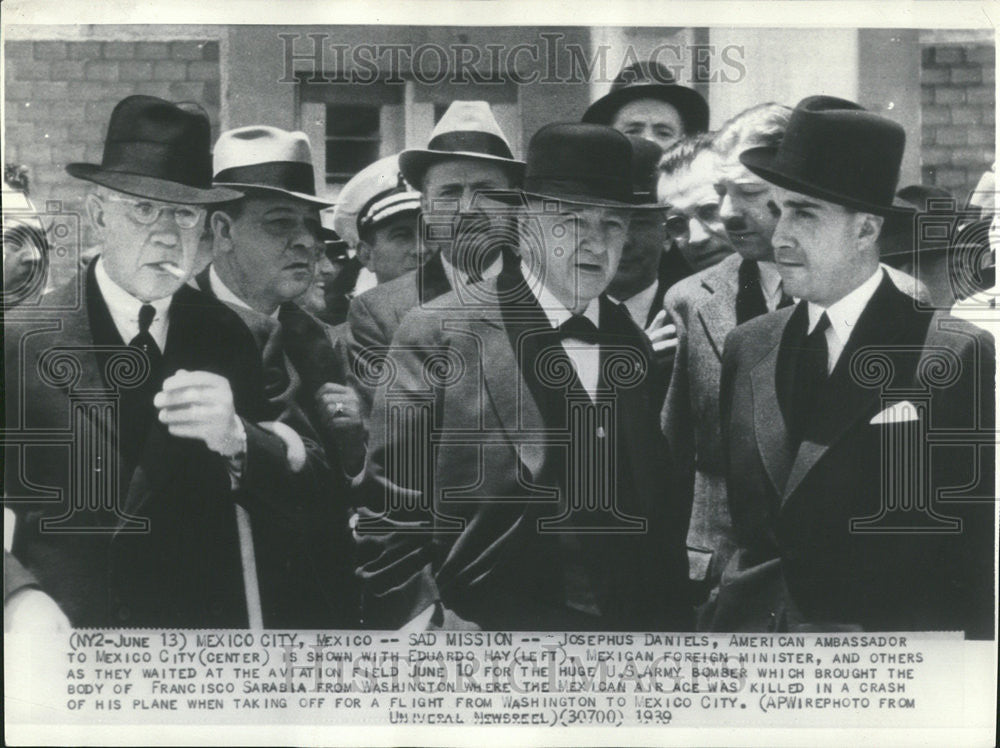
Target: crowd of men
x=648 y=378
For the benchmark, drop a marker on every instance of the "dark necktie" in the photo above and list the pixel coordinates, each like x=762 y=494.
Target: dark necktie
x=579 y=328
x=786 y=300
x=144 y=340
x=136 y=404
x=811 y=375
x=750 y=301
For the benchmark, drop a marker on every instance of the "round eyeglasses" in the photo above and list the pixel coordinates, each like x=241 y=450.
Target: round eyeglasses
x=147 y=212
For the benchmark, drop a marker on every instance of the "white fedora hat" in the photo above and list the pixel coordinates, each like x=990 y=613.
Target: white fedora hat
x=266 y=158
x=468 y=130
x=374 y=194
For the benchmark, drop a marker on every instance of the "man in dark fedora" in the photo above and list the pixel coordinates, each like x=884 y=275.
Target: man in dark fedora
x=265 y=248
x=517 y=473
x=645 y=100
x=137 y=507
x=467 y=156
x=847 y=515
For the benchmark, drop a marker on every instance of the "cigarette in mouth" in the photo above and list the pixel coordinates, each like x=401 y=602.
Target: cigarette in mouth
x=172 y=269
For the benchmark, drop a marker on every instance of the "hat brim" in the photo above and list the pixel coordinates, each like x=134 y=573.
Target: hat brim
x=305 y=197
x=516 y=198
x=413 y=164
x=140 y=185
x=332 y=241
x=690 y=104
x=760 y=161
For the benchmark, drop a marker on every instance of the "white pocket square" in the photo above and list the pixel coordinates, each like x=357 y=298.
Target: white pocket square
x=900 y=412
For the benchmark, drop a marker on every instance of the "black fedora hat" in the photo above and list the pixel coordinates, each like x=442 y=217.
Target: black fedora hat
x=579 y=163
x=157 y=149
x=837 y=151
x=650 y=80
x=899 y=238
x=645 y=174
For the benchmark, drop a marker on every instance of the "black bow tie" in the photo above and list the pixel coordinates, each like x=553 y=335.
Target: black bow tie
x=579 y=328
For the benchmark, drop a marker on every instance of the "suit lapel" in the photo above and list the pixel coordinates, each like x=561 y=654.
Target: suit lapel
x=885 y=319
x=630 y=401
x=77 y=330
x=505 y=335
x=431 y=280
x=718 y=311
x=768 y=377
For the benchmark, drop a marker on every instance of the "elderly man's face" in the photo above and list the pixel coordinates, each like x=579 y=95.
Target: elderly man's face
x=820 y=248
x=148 y=247
x=693 y=220
x=275 y=246
x=747 y=210
x=582 y=248
x=651 y=119
x=449 y=198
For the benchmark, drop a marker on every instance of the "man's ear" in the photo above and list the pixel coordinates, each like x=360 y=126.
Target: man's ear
x=870 y=228
x=95 y=212
x=364 y=250
x=221 y=225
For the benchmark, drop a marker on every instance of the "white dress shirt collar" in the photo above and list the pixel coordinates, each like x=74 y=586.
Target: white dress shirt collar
x=366 y=279
x=223 y=293
x=585 y=357
x=843 y=315
x=770 y=284
x=124 y=308
x=490 y=272
x=639 y=304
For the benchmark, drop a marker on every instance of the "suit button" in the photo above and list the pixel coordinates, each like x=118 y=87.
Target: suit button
x=601 y=433
x=124 y=613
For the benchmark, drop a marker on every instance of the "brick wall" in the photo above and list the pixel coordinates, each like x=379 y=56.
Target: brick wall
x=958 y=114
x=59 y=97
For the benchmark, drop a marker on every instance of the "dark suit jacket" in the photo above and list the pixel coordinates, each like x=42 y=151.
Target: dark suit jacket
x=170 y=556
x=490 y=470
x=375 y=315
x=800 y=559
x=703 y=308
x=299 y=353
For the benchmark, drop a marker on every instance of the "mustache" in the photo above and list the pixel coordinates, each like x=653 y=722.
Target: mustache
x=787 y=256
